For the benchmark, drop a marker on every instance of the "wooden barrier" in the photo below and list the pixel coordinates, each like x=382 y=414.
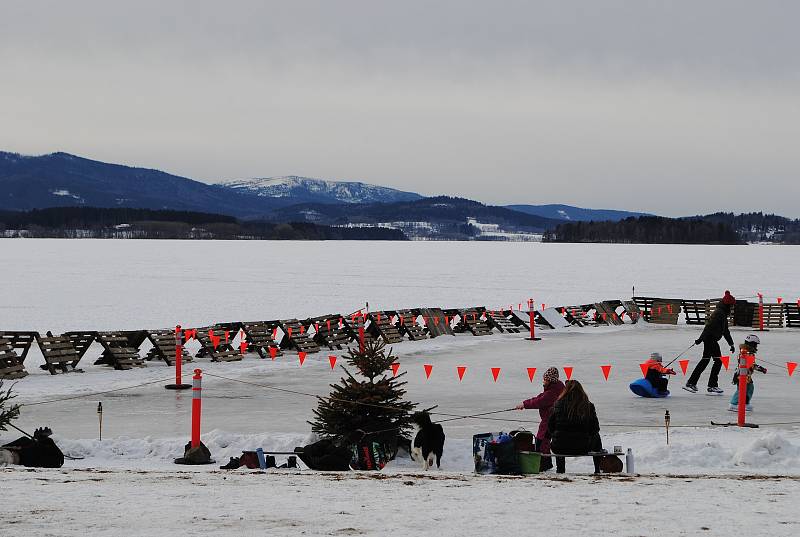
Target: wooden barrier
x=329 y=332
x=407 y=325
x=11 y=366
x=163 y=348
x=258 y=335
x=60 y=355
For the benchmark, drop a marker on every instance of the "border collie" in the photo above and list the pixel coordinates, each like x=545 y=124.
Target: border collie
x=428 y=442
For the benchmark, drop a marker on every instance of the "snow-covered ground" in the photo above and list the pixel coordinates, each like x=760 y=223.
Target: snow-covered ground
x=61 y=285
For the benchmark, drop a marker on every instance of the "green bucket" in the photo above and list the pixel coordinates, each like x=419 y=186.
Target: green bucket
x=529 y=462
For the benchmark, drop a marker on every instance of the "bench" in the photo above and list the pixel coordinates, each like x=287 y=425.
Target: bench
x=501 y=321
x=792 y=315
x=259 y=337
x=216 y=343
x=407 y=325
x=20 y=342
x=628 y=462
x=295 y=336
x=331 y=331
x=11 y=366
x=471 y=320
x=380 y=326
x=772 y=314
x=121 y=349
x=60 y=355
x=163 y=348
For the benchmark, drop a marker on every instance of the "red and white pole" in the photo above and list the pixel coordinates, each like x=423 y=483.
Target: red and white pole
x=197 y=402
x=179 y=385
x=743 y=369
x=531 y=312
x=361 y=321
x=760 y=312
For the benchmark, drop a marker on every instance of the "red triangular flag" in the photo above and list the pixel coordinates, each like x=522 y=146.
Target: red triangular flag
x=273 y=352
x=606 y=370
x=604 y=317
x=780 y=300
x=644 y=367
x=495 y=373
x=302 y=329
x=227 y=333
x=274 y=333
x=790 y=367
x=446 y=319
x=568 y=372
x=428 y=369
x=725 y=361
x=332 y=360
x=436 y=320
x=684 y=366
x=289 y=331
x=395 y=368
x=379 y=318
x=243 y=347
x=328 y=322
x=215 y=341
x=544 y=306
x=531 y=373
x=302 y=357
x=461 y=370
x=316 y=328
x=426 y=321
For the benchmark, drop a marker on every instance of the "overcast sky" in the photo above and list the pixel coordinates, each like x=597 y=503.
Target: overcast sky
x=672 y=107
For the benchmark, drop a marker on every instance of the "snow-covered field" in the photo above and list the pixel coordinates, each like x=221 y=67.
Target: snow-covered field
x=67 y=285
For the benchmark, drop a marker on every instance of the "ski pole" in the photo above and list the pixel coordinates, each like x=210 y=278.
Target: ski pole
x=681 y=354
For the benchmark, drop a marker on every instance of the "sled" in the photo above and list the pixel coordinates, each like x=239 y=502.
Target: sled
x=643 y=388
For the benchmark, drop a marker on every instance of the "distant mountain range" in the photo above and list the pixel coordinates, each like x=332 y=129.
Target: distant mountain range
x=64 y=180
x=293 y=189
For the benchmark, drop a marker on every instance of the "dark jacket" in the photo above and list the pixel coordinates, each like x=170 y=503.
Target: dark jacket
x=544 y=402
x=717 y=326
x=572 y=436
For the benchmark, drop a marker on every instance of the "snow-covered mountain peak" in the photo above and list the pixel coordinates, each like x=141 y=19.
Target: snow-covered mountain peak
x=306 y=189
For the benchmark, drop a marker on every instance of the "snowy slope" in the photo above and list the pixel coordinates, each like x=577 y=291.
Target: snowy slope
x=305 y=190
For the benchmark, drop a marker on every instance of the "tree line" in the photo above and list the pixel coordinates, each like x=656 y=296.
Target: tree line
x=646 y=230
x=124 y=223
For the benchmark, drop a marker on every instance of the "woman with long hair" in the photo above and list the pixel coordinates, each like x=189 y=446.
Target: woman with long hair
x=573 y=426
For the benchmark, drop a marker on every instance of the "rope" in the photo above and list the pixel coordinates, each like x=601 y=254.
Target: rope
x=361 y=403
x=80 y=396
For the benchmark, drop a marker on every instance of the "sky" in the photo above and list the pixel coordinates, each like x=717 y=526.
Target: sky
x=674 y=108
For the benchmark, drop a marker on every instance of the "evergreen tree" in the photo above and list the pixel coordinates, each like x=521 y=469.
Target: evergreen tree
x=8 y=412
x=374 y=405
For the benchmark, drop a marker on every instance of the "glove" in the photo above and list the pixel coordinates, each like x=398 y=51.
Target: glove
x=671 y=371
x=698 y=341
x=733 y=349
x=42 y=432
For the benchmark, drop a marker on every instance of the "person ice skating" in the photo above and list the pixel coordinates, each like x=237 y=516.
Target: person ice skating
x=715 y=329
x=544 y=403
x=748 y=348
x=573 y=427
x=657 y=373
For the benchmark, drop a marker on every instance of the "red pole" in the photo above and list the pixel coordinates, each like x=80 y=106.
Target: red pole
x=179 y=385
x=533 y=325
x=760 y=312
x=197 y=389
x=361 y=333
x=742 y=388
x=178 y=355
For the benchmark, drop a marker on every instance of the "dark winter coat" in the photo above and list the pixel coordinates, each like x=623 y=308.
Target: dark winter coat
x=544 y=402
x=37 y=453
x=717 y=326
x=572 y=435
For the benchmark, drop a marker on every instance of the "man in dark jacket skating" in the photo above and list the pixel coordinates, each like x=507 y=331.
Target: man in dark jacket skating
x=716 y=328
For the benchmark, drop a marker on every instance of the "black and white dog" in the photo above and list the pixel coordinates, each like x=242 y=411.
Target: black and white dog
x=428 y=442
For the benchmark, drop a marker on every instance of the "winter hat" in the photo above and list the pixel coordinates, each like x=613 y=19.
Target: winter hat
x=551 y=375
x=656 y=357
x=728 y=299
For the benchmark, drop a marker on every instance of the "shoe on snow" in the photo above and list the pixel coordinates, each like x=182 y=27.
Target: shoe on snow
x=715 y=390
x=690 y=388
x=748 y=407
x=733 y=408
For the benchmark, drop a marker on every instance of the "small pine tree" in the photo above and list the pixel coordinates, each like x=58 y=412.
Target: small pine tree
x=8 y=412
x=374 y=406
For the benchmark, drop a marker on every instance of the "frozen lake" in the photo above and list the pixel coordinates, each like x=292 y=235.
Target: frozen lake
x=113 y=284
x=93 y=284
